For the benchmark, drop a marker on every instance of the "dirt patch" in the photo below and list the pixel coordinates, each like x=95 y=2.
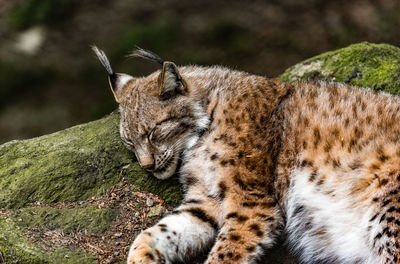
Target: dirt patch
x=135 y=212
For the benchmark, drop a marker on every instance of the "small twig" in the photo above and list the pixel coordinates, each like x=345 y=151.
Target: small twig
x=95 y=248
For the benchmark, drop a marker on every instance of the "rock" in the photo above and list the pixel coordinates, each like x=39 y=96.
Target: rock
x=376 y=66
x=66 y=219
x=149 y=202
x=118 y=235
x=157 y=210
x=73 y=165
x=16 y=248
x=83 y=161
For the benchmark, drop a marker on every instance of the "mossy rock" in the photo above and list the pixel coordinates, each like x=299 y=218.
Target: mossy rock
x=90 y=218
x=364 y=64
x=16 y=248
x=86 y=160
x=72 y=165
x=67 y=166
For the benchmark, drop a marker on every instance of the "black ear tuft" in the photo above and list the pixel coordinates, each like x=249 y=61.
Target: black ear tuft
x=147 y=55
x=118 y=81
x=103 y=59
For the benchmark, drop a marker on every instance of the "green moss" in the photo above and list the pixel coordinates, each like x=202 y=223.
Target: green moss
x=169 y=189
x=15 y=248
x=88 y=218
x=364 y=64
x=71 y=165
x=65 y=255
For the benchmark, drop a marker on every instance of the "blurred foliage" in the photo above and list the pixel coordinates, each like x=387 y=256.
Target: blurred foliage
x=159 y=34
x=21 y=80
x=35 y=12
x=229 y=34
x=385 y=21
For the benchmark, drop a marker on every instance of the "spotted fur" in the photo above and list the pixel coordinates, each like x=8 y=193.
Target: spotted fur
x=319 y=161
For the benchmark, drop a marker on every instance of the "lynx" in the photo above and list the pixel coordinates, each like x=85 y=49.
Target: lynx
x=258 y=157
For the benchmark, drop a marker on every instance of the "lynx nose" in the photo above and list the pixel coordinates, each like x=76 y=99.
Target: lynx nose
x=147 y=163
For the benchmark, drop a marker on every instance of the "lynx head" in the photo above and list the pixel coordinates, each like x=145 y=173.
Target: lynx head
x=159 y=119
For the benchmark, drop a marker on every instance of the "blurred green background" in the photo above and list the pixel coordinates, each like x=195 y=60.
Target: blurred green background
x=50 y=80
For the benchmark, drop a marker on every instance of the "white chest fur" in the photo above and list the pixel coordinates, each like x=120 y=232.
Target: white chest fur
x=199 y=164
x=325 y=226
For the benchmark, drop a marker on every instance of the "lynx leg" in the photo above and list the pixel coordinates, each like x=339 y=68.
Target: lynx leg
x=385 y=223
x=249 y=228
x=188 y=231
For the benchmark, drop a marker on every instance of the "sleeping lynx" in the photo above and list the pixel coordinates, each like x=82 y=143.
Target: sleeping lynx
x=319 y=161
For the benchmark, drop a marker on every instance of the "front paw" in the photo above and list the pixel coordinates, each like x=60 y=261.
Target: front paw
x=142 y=253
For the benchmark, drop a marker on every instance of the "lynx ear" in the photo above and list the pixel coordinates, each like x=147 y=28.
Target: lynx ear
x=170 y=81
x=117 y=81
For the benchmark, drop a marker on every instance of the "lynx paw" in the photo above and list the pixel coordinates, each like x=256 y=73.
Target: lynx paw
x=142 y=253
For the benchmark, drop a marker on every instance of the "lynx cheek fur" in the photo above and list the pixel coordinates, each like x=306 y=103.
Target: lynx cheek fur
x=319 y=161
